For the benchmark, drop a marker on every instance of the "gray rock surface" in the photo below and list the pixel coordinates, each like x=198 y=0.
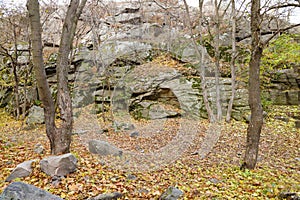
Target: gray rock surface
x=103 y=148
x=108 y=196
x=39 y=149
x=157 y=111
x=172 y=193
x=59 y=165
x=22 y=170
x=111 y=50
x=23 y=191
x=156 y=91
x=36 y=115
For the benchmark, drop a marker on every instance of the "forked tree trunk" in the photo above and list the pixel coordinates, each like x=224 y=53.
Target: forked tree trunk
x=256 y=121
x=60 y=138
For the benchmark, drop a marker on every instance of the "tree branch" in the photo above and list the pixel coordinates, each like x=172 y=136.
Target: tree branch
x=284 y=6
x=274 y=33
x=279 y=31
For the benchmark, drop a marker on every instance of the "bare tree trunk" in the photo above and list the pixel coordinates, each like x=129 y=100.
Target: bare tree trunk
x=15 y=72
x=38 y=63
x=210 y=113
x=217 y=61
x=27 y=74
x=16 y=89
x=232 y=62
x=211 y=116
x=256 y=121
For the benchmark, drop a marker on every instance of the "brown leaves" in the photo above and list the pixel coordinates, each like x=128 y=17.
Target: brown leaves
x=217 y=176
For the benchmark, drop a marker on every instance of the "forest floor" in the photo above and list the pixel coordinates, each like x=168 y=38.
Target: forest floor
x=216 y=176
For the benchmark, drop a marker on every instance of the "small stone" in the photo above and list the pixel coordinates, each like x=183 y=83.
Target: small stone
x=56 y=180
x=143 y=191
x=123 y=126
x=172 y=193
x=131 y=177
x=214 y=181
x=39 y=149
x=284 y=119
x=79 y=132
x=289 y=195
x=104 y=148
x=134 y=134
x=108 y=196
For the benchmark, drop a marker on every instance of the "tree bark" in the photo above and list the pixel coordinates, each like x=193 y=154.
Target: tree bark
x=60 y=138
x=232 y=61
x=217 y=60
x=63 y=93
x=38 y=64
x=211 y=116
x=256 y=121
x=15 y=72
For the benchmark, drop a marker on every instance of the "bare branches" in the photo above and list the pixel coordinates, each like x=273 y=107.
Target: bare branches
x=280 y=31
x=167 y=8
x=275 y=7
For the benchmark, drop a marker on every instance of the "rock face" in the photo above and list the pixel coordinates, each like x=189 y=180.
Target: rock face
x=155 y=92
x=23 y=191
x=59 y=165
x=22 y=170
x=103 y=148
x=284 y=88
x=172 y=193
x=129 y=36
x=36 y=115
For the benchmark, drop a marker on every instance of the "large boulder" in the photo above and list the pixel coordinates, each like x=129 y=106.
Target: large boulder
x=22 y=170
x=23 y=191
x=103 y=148
x=148 y=84
x=59 y=165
